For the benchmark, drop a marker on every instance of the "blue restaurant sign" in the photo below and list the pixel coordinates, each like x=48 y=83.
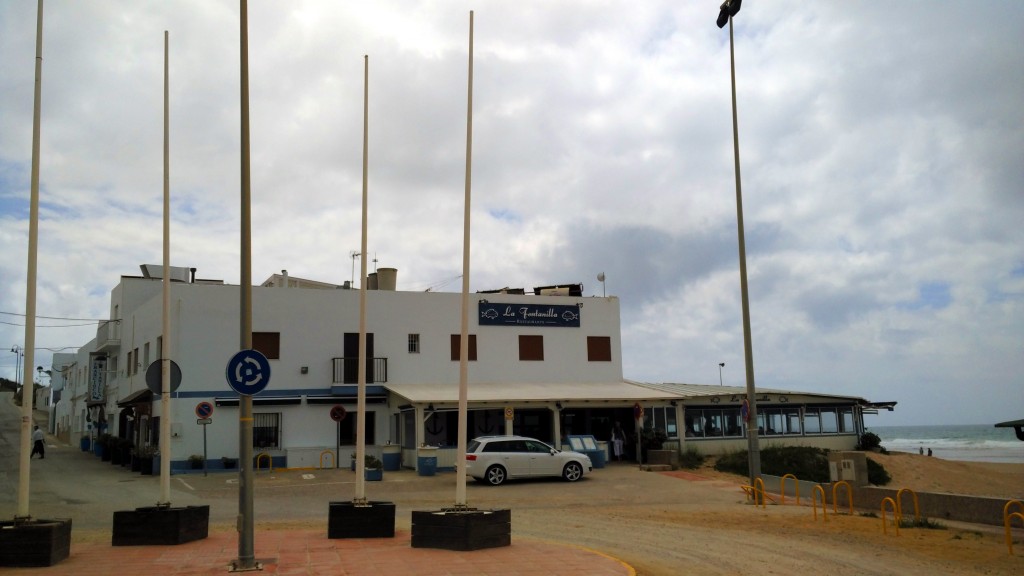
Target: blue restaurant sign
x=503 y=314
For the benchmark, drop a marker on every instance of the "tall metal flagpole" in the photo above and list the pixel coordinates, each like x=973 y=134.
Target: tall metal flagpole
x=165 y=357
x=27 y=390
x=360 y=495
x=460 y=481
x=246 y=556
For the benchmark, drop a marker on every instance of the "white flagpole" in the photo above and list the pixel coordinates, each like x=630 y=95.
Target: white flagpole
x=27 y=389
x=165 y=357
x=360 y=496
x=460 y=486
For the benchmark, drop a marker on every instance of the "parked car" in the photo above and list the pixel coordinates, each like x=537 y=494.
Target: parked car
x=494 y=459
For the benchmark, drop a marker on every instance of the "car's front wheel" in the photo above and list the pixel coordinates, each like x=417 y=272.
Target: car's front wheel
x=572 y=472
x=495 y=475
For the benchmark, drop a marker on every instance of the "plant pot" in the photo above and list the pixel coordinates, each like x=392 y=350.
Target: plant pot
x=375 y=520
x=146 y=465
x=136 y=463
x=85 y=443
x=160 y=525
x=373 y=474
x=35 y=542
x=462 y=529
x=116 y=457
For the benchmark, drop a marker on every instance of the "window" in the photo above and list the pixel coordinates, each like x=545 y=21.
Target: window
x=347 y=429
x=135 y=364
x=599 y=348
x=414 y=343
x=457 y=341
x=266 y=430
x=268 y=344
x=145 y=357
x=159 y=347
x=846 y=420
x=663 y=419
x=531 y=347
x=128 y=365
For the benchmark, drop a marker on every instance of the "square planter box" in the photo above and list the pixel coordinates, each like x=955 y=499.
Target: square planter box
x=35 y=542
x=462 y=529
x=346 y=520
x=159 y=525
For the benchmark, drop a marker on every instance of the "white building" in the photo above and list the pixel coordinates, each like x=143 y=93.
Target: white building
x=545 y=365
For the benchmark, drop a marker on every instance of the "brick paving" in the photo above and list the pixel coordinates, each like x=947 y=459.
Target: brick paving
x=310 y=552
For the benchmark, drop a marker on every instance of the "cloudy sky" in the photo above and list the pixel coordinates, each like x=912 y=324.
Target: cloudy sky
x=882 y=150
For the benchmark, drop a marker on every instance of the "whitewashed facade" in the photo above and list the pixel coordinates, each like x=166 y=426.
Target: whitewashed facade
x=554 y=370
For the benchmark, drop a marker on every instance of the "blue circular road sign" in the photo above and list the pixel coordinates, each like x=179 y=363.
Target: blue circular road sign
x=248 y=372
x=204 y=410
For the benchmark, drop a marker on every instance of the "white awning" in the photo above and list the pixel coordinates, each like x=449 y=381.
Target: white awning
x=500 y=393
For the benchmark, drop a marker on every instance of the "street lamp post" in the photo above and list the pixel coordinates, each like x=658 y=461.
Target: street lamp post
x=720 y=366
x=18 y=353
x=727 y=11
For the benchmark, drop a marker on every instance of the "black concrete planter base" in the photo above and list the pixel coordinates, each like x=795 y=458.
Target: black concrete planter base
x=160 y=525
x=347 y=520
x=34 y=543
x=462 y=529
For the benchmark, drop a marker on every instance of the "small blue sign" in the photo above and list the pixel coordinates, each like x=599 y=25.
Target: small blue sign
x=248 y=372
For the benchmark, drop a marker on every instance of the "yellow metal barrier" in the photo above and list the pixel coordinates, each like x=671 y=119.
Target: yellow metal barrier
x=782 y=488
x=270 y=461
x=894 y=513
x=1008 y=516
x=814 y=503
x=1006 y=526
x=754 y=492
x=835 y=499
x=1006 y=507
x=329 y=453
x=899 y=505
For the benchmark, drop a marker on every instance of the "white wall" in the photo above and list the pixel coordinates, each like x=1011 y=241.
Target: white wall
x=312 y=324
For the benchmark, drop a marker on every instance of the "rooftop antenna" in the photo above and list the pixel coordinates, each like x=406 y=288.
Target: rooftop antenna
x=354 y=254
x=600 y=278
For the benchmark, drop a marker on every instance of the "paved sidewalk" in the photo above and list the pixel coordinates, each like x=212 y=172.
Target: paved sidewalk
x=310 y=552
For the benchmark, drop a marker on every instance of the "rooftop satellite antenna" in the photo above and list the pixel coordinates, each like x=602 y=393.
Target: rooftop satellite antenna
x=600 y=278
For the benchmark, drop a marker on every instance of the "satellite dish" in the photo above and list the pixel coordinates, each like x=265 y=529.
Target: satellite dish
x=600 y=276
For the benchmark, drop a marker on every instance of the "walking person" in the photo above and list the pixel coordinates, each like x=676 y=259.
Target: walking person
x=618 y=440
x=37 y=444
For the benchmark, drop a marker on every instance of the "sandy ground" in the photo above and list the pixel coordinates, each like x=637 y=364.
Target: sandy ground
x=659 y=523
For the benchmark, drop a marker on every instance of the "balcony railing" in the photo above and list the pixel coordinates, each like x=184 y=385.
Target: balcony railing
x=108 y=336
x=346 y=370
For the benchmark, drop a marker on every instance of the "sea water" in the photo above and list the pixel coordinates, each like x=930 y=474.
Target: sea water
x=975 y=443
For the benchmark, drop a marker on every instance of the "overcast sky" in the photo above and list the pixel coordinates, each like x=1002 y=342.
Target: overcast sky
x=881 y=146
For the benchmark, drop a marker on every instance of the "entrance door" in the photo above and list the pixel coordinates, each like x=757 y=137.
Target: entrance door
x=351 y=354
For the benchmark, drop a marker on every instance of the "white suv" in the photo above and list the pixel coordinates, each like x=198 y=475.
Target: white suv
x=494 y=459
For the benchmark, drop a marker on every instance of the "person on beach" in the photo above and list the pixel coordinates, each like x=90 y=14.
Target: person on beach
x=929 y=451
x=38 y=445
x=618 y=440
x=921 y=450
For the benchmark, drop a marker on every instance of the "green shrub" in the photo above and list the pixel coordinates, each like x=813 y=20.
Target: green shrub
x=877 y=474
x=691 y=458
x=804 y=462
x=733 y=463
x=869 y=441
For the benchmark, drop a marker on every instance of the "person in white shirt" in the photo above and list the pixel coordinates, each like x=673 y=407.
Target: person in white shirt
x=38 y=445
